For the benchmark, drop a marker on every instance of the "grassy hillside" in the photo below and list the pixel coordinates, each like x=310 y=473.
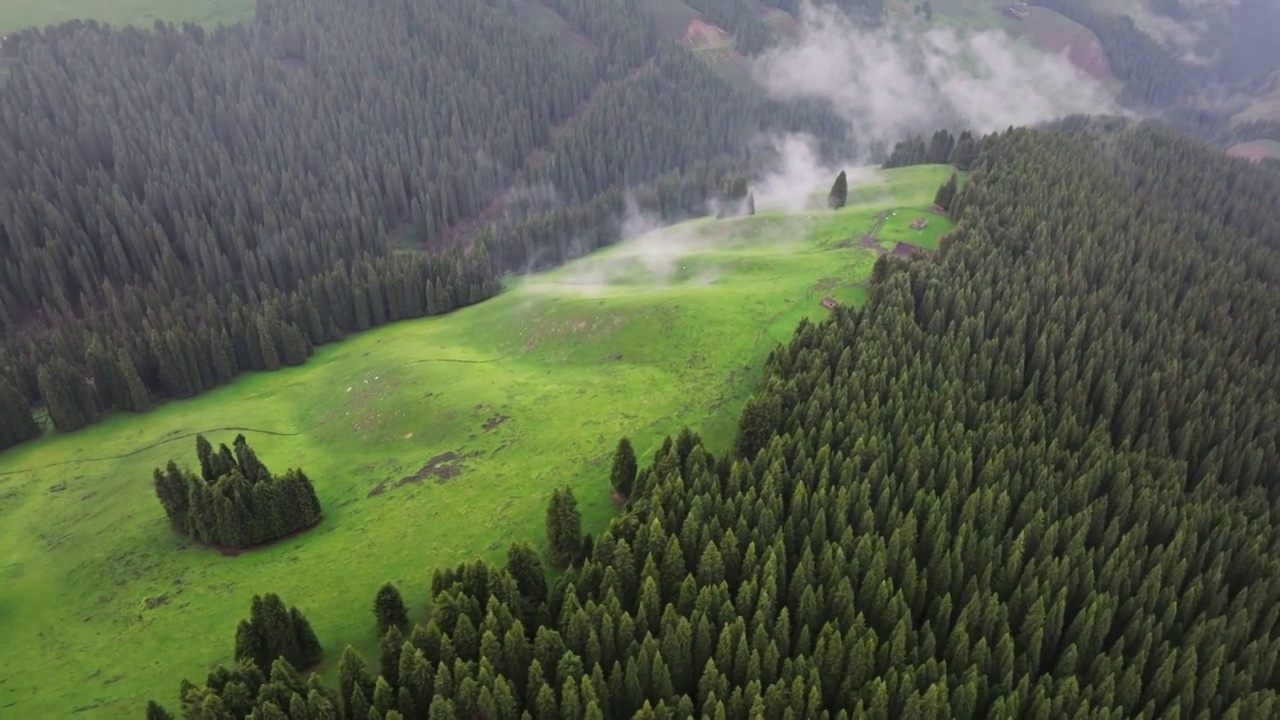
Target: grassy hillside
x=20 y=14
x=429 y=441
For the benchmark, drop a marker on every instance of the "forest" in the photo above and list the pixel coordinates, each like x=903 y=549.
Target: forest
x=190 y=204
x=1034 y=476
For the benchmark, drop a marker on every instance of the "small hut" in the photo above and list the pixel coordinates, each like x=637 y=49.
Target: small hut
x=829 y=303
x=919 y=223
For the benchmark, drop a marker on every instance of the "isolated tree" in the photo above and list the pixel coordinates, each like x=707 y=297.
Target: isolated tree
x=389 y=608
x=946 y=193
x=623 y=474
x=751 y=203
x=839 y=194
x=564 y=528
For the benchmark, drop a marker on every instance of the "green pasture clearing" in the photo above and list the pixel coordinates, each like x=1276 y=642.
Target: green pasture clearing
x=103 y=606
x=22 y=14
x=543 y=18
x=897 y=228
x=672 y=17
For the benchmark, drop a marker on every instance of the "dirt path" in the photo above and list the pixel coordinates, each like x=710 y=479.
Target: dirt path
x=871 y=239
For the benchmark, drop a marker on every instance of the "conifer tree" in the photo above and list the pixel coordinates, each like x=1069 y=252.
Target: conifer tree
x=623 y=473
x=389 y=609
x=564 y=528
x=839 y=194
x=138 y=398
x=946 y=193
x=526 y=570
x=16 y=423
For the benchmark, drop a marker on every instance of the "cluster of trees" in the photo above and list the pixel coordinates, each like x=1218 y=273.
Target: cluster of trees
x=235 y=501
x=1152 y=74
x=136 y=272
x=1034 y=476
x=677 y=112
x=942 y=147
x=272 y=633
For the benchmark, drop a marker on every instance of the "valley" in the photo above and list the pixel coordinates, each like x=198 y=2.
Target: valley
x=429 y=441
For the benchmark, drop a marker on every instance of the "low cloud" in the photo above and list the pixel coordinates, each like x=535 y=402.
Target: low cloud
x=889 y=85
x=798 y=178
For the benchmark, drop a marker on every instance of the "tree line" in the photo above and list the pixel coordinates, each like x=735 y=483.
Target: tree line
x=157 y=244
x=1034 y=476
x=943 y=147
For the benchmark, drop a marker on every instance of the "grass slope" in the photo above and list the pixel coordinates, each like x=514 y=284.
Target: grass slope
x=104 y=606
x=21 y=14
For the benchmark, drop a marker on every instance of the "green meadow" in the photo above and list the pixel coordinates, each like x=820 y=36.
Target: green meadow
x=22 y=14
x=429 y=441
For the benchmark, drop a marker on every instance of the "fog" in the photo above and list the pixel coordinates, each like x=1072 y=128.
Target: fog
x=886 y=87
x=889 y=85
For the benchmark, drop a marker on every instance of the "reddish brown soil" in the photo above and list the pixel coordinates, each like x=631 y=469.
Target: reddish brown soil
x=1078 y=44
x=1254 y=151
x=704 y=34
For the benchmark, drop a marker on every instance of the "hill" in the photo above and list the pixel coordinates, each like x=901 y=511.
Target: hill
x=428 y=441
x=1034 y=476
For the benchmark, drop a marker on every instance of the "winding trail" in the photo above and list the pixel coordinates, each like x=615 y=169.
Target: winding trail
x=158 y=443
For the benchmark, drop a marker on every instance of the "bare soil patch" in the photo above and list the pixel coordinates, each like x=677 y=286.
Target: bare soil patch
x=1255 y=150
x=494 y=422
x=1078 y=44
x=700 y=35
x=442 y=468
x=906 y=249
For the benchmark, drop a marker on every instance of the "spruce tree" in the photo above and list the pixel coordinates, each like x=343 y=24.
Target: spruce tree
x=623 y=474
x=526 y=570
x=564 y=528
x=839 y=194
x=309 y=650
x=157 y=712
x=389 y=609
x=16 y=423
x=946 y=193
